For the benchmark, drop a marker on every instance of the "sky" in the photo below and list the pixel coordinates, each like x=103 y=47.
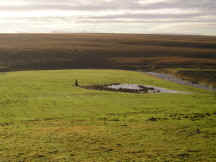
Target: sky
x=108 y=16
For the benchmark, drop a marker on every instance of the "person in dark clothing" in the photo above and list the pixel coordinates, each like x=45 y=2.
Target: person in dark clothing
x=76 y=83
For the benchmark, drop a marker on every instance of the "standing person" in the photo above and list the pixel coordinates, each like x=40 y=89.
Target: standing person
x=76 y=83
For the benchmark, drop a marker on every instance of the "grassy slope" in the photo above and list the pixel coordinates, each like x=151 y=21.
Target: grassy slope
x=44 y=117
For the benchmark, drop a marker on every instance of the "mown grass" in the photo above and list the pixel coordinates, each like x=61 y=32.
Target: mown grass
x=43 y=117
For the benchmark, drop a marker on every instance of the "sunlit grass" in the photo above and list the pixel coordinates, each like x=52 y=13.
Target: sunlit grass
x=44 y=117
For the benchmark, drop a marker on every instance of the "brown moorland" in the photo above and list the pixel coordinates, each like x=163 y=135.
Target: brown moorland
x=107 y=51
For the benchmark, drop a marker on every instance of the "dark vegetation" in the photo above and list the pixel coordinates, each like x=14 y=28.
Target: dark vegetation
x=199 y=76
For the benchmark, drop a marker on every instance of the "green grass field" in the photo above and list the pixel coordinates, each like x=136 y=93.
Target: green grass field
x=43 y=117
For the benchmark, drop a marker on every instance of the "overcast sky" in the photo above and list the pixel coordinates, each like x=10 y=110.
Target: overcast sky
x=109 y=16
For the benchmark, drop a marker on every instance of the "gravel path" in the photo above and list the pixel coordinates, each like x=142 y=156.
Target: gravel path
x=164 y=90
x=180 y=81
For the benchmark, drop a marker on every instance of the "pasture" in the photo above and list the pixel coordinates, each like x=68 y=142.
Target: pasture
x=44 y=117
